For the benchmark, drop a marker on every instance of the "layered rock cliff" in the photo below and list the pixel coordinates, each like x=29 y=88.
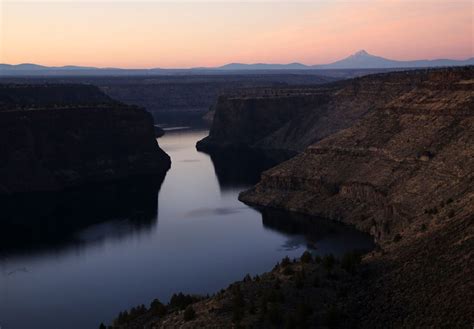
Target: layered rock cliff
x=400 y=160
x=58 y=136
x=294 y=118
x=404 y=173
x=247 y=118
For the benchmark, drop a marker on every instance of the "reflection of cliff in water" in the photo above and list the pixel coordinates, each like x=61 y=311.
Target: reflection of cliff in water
x=93 y=213
x=240 y=168
x=317 y=234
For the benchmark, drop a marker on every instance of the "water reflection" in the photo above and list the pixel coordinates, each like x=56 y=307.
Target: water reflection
x=239 y=169
x=100 y=251
x=38 y=222
x=317 y=234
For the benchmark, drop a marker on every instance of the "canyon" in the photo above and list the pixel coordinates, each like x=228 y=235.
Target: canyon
x=174 y=97
x=404 y=173
x=406 y=148
x=391 y=154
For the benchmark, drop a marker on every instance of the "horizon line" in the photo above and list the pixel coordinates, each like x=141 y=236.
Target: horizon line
x=228 y=63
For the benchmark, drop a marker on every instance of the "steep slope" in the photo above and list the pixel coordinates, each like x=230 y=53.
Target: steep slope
x=245 y=119
x=398 y=161
x=58 y=136
x=404 y=173
x=293 y=118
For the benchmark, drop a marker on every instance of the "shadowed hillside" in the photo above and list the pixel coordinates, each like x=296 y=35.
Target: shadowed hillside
x=59 y=136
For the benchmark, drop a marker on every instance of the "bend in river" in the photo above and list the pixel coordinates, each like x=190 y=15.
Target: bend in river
x=115 y=246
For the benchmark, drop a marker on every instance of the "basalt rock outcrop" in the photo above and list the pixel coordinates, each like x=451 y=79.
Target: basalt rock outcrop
x=399 y=162
x=404 y=173
x=53 y=137
x=293 y=118
x=247 y=118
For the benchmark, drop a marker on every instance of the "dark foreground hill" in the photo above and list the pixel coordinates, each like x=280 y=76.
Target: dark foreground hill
x=391 y=154
x=54 y=137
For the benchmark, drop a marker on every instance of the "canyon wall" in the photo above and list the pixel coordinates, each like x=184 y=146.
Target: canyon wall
x=393 y=155
x=173 y=97
x=245 y=120
x=293 y=118
x=54 y=137
x=404 y=173
x=403 y=158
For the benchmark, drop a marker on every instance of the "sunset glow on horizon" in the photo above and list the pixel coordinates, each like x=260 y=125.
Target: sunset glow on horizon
x=194 y=34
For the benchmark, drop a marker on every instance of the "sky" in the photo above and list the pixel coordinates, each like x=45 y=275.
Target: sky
x=195 y=33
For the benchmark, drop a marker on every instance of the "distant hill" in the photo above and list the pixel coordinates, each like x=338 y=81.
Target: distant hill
x=364 y=60
x=263 y=66
x=20 y=67
x=359 y=60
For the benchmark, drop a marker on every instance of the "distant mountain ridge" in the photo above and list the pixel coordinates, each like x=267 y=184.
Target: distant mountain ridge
x=359 y=60
x=364 y=60
x=263 y=66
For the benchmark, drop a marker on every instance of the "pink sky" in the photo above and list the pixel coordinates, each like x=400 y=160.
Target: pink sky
x=165 y=34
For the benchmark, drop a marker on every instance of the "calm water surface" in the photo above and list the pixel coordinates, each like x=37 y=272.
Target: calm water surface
x=107 y=249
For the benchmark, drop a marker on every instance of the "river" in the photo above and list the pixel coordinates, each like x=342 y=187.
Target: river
x=107 y=249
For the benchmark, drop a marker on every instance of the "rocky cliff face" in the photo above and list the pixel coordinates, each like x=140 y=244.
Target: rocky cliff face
x=59 y=136
x=294 y=118
x=400 y=160
x=245 y=120
x=404 y=173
